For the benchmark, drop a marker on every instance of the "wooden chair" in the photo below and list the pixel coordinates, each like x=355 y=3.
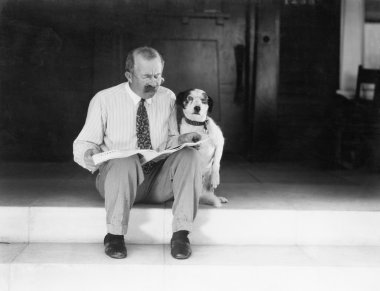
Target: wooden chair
x=367 y=88
x=358 y=124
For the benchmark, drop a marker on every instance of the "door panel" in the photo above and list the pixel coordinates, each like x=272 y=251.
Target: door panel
x=267 y=78
x=191 y=64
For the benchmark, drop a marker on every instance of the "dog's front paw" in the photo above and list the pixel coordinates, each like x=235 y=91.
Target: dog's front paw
x=219 y=201
x=209 y=198
x=222 y=199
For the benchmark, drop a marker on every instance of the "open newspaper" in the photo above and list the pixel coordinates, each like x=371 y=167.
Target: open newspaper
x=145 y=155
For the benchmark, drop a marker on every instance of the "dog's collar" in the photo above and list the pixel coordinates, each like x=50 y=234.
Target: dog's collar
x=197 y=123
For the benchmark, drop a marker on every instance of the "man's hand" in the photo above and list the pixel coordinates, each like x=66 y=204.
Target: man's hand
x=189 y=137
x=90 y=165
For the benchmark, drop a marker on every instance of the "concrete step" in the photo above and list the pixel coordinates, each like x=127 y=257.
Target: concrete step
x=151 y=224
x=268 y=205
x=57 y=267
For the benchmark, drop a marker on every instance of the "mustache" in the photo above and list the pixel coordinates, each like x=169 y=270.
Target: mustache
x=149 y=88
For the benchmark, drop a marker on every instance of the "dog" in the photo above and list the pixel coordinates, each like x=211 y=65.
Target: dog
x=193 y=107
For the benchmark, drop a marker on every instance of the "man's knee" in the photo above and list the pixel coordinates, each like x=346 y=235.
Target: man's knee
x=189 y=156
x=123 y=166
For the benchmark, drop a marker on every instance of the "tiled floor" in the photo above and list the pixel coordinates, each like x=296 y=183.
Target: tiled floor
x=246 y=185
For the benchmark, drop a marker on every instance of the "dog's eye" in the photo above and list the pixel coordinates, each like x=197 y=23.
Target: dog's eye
x=205 y=101
x=190 y=99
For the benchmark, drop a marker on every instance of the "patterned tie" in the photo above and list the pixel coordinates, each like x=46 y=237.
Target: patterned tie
x=143 y=134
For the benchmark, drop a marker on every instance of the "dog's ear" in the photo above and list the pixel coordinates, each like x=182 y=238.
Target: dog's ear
x=179 y=104
x=179 y=116
x=210 y=104
x=180 y=98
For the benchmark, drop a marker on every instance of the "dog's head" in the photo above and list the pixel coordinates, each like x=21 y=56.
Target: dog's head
x=195 y=104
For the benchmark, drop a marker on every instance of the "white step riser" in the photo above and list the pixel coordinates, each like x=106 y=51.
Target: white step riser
x=40 y=267
x=94 y=277
x=213 y=226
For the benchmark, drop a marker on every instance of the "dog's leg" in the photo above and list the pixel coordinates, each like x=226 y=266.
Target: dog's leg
x=208 y=195
x=215 y=173
x=215 y=176
x=218 y=140
x=209 y=198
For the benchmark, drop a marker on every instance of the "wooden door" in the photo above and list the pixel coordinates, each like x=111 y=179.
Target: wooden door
x=267 y=56
x=197 y=40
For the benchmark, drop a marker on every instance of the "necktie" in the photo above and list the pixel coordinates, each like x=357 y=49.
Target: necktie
x=143 y=134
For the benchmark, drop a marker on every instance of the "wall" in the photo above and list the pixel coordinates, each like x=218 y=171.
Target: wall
x=360 y=39
x=351 y=42
x=372 y=44
x=46 y=73
x=55 y=54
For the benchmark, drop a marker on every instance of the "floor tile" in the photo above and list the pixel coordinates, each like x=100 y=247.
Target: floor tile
x=298 y=177
x=86 y=267
x=242 y=227
x=360 y=256
x=236 y=174
x=8 y=252
x=243 y=255
x=338 y=228
x=14 y=224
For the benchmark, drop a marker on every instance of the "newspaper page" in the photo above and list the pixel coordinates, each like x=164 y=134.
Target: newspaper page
x=146 y=155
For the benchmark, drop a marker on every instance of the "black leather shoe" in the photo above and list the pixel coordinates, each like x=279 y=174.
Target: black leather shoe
x=180 y=248
x=114 y=246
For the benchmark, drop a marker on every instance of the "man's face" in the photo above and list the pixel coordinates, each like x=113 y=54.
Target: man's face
x=146 y=76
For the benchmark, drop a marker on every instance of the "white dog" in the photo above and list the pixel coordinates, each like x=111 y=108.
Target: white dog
x=193 y=107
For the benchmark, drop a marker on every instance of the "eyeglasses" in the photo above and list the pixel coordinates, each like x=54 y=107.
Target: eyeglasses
x=147 y=77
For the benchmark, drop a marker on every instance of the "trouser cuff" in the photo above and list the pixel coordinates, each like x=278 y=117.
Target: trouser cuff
x=117 y=229
x=183 y=226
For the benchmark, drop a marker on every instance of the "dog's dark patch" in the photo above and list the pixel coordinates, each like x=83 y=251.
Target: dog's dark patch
x=210 y=103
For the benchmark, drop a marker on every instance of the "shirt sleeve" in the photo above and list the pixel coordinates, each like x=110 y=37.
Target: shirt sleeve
x=92 y=134
x=173 y=133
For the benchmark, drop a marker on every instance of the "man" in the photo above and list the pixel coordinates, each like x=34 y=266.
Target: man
x=140 y=114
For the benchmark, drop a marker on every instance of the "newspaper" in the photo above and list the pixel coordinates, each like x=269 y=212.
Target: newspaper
x=145 y=155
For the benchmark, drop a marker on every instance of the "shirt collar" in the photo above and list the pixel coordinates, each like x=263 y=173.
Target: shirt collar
x=135 y=98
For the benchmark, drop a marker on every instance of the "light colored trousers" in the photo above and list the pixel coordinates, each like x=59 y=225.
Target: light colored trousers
x=121 y=183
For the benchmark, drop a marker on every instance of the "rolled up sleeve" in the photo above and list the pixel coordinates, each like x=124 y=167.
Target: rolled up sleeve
x=92 y=134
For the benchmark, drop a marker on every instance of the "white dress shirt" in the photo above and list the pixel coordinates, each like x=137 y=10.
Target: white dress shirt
x=111 y=121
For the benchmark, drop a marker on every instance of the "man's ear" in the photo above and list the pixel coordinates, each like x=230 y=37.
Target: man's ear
x=210 y=104
x=128 y=75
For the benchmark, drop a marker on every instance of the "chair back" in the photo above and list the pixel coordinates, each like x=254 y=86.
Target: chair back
x=368 y=86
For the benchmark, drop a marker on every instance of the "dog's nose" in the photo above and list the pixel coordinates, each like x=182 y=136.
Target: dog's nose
x=197 y=108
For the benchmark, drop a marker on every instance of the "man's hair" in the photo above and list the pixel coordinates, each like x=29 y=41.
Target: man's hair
x=146 y=52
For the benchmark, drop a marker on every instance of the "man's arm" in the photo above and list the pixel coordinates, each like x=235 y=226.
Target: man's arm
x=91 y=137
x=173 y=134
